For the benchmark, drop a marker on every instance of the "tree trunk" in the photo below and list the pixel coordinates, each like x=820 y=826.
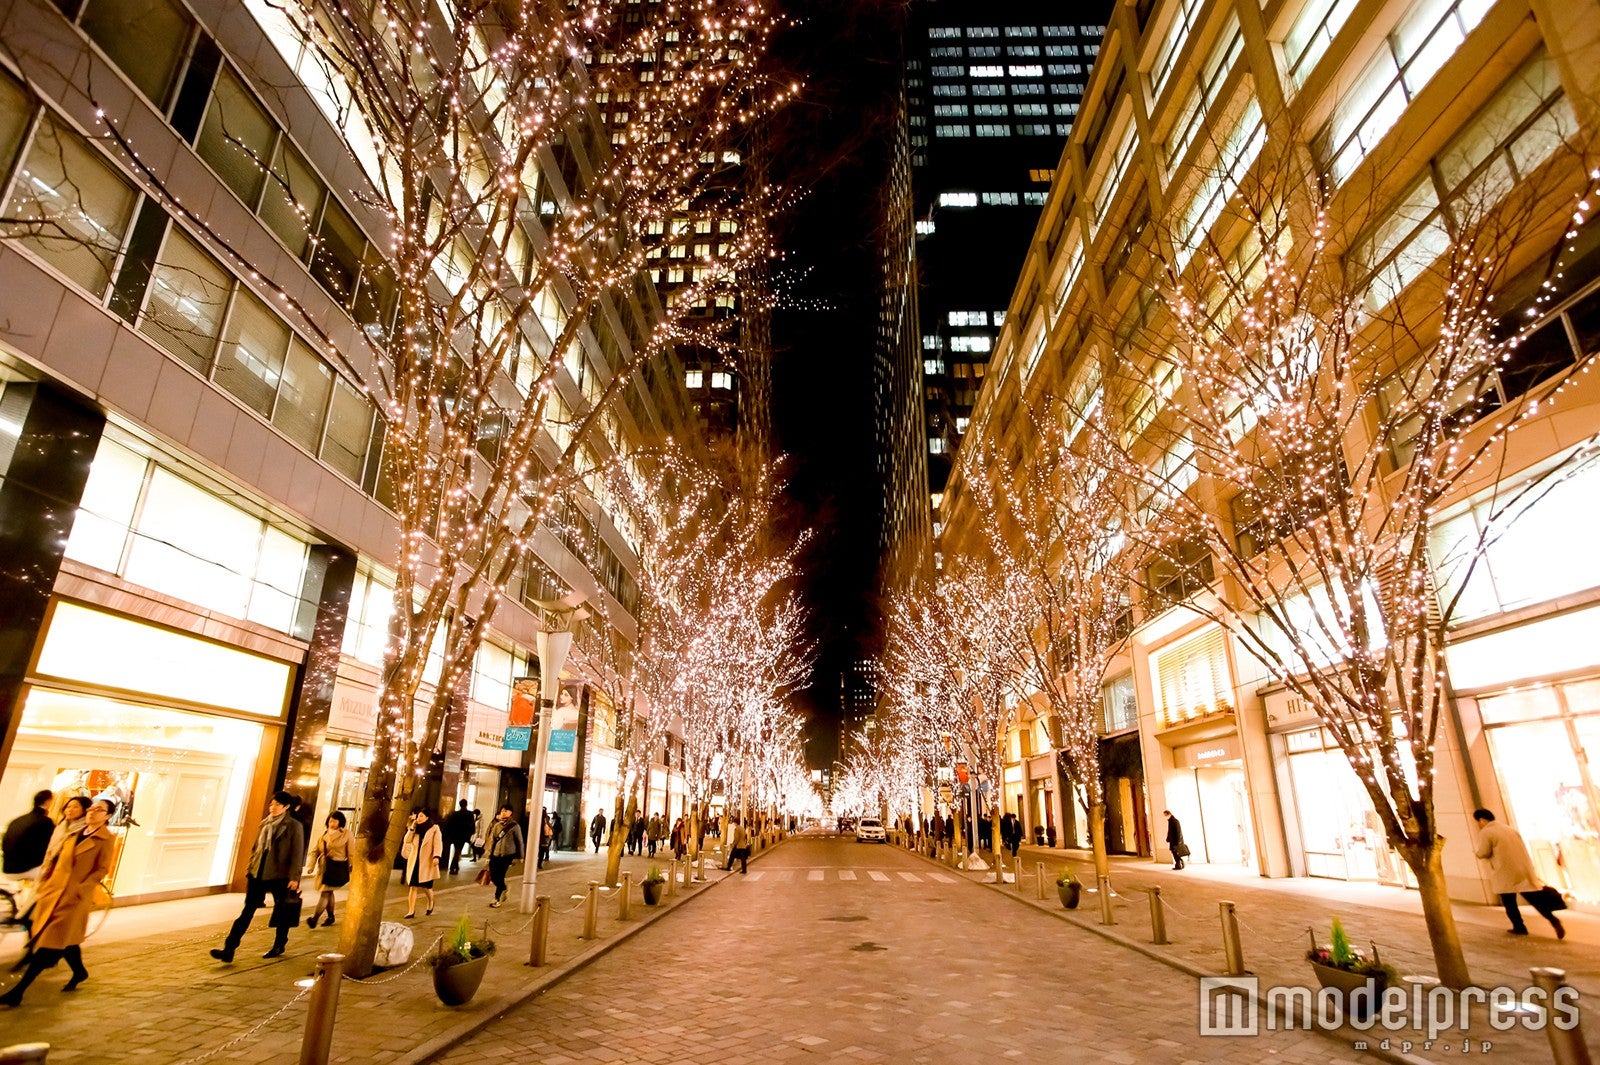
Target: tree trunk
x=1427 y=865
x=369 y=884
x=1097 y=839
x=619 y=838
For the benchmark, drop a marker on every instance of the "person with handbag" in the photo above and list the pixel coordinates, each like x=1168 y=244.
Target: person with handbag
x=67 y=896
x=330 y=857
x=505 y=847
x=276 y=858
x=423 y=848
x=1511 y=873
x=1175 y=843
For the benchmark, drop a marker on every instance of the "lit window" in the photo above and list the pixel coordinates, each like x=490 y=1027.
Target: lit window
x=1313 y=30
x=952 y=131
x=1000 y=199
x=693 y=379
x=958 y=199
x=948 y=72
x=971 y=344
x=1033 y=109
x=947 y=89
x=1043 y=177
x=932 y=343
x=991 y=110
x=999 y=319
x=1058 y=31
x=987 y=72
x=1033 y=199
x=924 y=227
x=983 y=31
x=1058 y=51
x=936 y=445
x=1112 y=181
x=1022 y=31
x=944 y=31
x=1027 y=88
x=1202 y=99
x=949 y=110
x=989 y=89
x=1028 y=70
x=721 y=379
x=1033 y=129
x=962 y=423
x=969 y=317
x=994 y=130
x=933 y=367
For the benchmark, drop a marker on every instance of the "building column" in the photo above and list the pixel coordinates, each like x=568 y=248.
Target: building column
x=330 y=575
x=48 y=439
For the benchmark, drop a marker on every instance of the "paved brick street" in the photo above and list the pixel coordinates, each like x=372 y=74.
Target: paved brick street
x=834 y=950
x=155 y=996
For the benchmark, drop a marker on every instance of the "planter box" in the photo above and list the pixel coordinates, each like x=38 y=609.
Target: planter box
x=652 y=891
x=1070 y=894
x=456 y=984
x=1348 y=983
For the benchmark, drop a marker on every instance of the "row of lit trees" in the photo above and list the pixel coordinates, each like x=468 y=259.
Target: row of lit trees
x=1268 y=447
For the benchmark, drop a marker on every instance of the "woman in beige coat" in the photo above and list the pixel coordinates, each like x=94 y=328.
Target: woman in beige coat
x=1511 y=872
x=66 y=899
x=331 y=859
x=424 y=844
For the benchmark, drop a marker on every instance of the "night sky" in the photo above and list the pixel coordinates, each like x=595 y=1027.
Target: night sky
x=832 y=144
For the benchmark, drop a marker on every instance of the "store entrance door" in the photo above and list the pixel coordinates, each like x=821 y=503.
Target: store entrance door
x=1224 y=809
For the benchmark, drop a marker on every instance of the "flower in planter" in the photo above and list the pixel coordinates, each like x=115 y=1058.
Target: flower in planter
x=655 y=876
x=460 y=946
x=1339 y=954
x=1066 y=878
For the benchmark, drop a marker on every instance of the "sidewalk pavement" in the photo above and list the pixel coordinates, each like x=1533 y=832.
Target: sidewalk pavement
x=156 y=996
x=1278 y=916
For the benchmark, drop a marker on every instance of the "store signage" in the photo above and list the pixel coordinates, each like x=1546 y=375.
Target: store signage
x=516 y=738
x=1287 y=710
x=563 y=740
x=1212 y=752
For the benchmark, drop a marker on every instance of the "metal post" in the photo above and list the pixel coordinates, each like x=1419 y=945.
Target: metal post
x=1158 y=917
x=541 y=931
x=1016 y=867
x=1232 y=950
x=591 y=910
x=24 y=1052
x=1038 y=872
x=685 y=874
x=318 y=1038
x=1566 y=1046
x=672 y=878
x=625 y=897
x=700 y=867
x=1106 y=916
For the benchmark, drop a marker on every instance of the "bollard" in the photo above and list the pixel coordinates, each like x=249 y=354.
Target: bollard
x=1106 y=916
x=672 y=879
x=625 y=897
x=318 y=1038
x=541 y=931
x=700 y=867
x=1158 y=917
x=1232 y=950
x=24 y=1052
x=1038 y=872
x=686 y=867
x=591 y=910
x=1566 y=1047
x=1016 y=863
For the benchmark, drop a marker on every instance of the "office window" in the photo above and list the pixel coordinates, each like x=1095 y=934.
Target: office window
x=1064 y=88
x=237 y=137
x=949 y=110
x=983 y=31
x=1314 y=29
x=1027 y=89
x=990 y=110
x=949 y=90
x=1033 y=130
x=933 y=367
x=1029 y=70
x=1022 y=31
x=971 y=344
x=694 y=379
x=987 y=71
x=936 y=445
x=1202 y=100
x=1035 y=199
x=1068 y=108
x=925 y=227
x=968 y=317
x=944 y=31
x=303 y=397
x=1238 y=152
x=146 y=39
x=1172 y=42
x=1033 y=109
x=945 y=52
x=1043 y=177
x=1120 y=161
x=983 y=51
x=721 y=379
x=1425 y=38
x=1022 y=51
x=85 y=206
x=948 y=72
x=989 y=89
x=932 y=343
x=350 y=432
x=958 y=199
x=994 y=131
x=293 y=199
x=1000 y=199
x=183 y=308
x=1058 y=51
x=1059 y=31
x=250 y=362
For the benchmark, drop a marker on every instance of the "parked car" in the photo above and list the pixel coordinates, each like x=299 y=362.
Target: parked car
x=870 y=830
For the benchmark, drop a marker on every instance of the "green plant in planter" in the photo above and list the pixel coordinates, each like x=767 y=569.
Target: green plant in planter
x=655 y=877
x=1066 y=878
x=1339 y=954
x=460 y=947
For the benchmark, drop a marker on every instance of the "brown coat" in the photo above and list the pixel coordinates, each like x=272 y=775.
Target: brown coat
x=67 y=895
x=422 y=863
x=1510 y=868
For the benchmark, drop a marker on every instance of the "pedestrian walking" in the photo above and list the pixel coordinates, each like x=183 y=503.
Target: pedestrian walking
x=330 y=861
x=66 y=898
x=597 y=829
x=555 y=832
x=546 y=834
x=654 y=831
x=276 y=858
x=504 y=846
x=422 y=850
x=636 y=836
x=680 y=839
x=27 y=838
x=74 y=815
x=1011 y=833
x=1175 y=843
x=738 y=846
x=1511 y=873
x=459 y=828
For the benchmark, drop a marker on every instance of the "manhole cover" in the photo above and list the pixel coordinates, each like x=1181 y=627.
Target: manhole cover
x=867 y=948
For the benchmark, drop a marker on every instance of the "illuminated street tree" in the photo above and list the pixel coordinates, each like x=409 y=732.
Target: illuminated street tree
x=1055 y=526
x=1324 y=397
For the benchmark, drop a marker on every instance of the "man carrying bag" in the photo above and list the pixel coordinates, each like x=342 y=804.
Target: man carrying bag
x=276 y=858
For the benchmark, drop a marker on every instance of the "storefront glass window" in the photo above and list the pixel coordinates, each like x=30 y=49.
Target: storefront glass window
x=181 y=779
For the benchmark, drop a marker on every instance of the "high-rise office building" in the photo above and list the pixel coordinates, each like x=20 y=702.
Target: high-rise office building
x=992 y=97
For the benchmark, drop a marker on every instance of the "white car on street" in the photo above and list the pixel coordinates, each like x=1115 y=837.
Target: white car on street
x=870 y=830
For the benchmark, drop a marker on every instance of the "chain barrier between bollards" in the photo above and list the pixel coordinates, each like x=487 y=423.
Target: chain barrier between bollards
x=248 y=1032
x=1566 y=1046
x=317 y=1041
x=392 y=977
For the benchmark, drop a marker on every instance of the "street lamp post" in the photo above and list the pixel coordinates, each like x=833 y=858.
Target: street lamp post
x=552 y=648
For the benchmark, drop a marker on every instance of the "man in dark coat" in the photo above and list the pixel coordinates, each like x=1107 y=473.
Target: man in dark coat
x=28 y=837
x=458 y=830
x=597 y=829
x=1175 y=840
x=276 y=858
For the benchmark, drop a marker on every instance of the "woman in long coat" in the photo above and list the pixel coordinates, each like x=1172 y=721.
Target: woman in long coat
x=66 y=899
x=424 y=844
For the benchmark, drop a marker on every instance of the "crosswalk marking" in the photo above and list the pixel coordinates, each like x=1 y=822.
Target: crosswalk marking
x=877 y=875
x=943 y=878
x=852 y=875
x=815 y=874
x=912 y=877
x=757 y=875
x=847 y=874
